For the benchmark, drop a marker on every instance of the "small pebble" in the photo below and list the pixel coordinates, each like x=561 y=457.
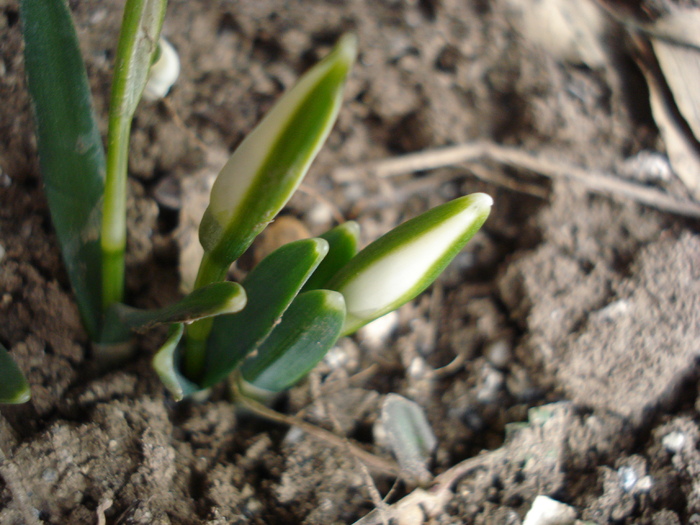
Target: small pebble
x=673 y=442
x=473 y=419
x=492 y=385
x=647 y=166
x=50 y=475
x=418 y=369
x=645 y=484
x=546 y=511
x=376 y=334
x=498 y=353
x=628 y=478
x=320 y=215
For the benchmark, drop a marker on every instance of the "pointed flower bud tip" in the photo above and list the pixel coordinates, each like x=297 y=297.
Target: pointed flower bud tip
x=270 y=163
x=398 y=266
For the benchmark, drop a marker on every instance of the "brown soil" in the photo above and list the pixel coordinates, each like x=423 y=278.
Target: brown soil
x=585 y=306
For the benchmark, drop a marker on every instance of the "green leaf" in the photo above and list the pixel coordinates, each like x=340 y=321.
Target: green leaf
x=70 y=147
x=138 y=41
x=14 y=388
x=270 y=163
x=270 y=287
x=209 y=301
x=342 y=241
x=401 y=264
x=309 y=328
x=166 y=365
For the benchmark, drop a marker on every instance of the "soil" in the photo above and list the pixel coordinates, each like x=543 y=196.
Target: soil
x=558 y=353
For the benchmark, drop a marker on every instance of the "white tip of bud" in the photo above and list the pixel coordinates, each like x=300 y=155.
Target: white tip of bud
x=400 y=265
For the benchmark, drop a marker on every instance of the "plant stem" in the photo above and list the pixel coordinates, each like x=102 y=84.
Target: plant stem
x=138 y=40
x=197 y=333
x=114 y=211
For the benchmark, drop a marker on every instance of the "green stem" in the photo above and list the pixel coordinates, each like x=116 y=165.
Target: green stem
x=138 y=40
x=197 y=333
x=114 y=211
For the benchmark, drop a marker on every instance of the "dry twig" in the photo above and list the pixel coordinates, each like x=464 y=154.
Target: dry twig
x=471 y=152
x=374 y=463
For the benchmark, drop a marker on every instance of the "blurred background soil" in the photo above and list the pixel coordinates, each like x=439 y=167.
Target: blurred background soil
x=563 y=341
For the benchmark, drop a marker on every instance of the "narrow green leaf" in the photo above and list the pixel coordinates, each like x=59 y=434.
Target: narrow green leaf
x=138 y=41
x=309 y=328
x=166 y=365
x=343 y=242
x=209 y=301
x=401 y=264
x=270 y=163
x=14 y=388
x=271 y=287
x=70 y=147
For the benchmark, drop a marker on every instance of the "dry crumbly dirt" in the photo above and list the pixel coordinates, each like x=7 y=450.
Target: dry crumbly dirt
x=577 y=315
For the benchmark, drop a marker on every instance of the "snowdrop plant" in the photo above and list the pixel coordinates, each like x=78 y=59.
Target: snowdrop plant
x=270 y=330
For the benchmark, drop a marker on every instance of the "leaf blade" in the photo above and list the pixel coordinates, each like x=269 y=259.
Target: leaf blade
x=271 y=288
x=308 y=329
x=209 y=301
x=343 y=242
x=14 y=388
x=166 y=365
x=70 y=148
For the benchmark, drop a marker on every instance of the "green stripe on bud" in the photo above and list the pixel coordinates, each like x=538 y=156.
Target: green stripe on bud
x=401 y=264
x=270 y=163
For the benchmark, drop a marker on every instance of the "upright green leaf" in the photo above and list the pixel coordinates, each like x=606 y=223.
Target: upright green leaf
x=271 y=287
x=14 y=388
x=70 y=149
x=308 y=329
x=138 y=41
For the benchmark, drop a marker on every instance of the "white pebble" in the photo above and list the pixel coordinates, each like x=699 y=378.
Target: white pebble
x=673 y=442
x=498 y=353
x=375 y=334
x=546 y=511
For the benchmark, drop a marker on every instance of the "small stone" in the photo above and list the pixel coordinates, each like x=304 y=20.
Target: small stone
x=49 y=475
x=498 y=353
x=376 y=334
x=546 y=511
x=492 y=385
x=673 y=442
x=645 y=484
x=628 y=478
